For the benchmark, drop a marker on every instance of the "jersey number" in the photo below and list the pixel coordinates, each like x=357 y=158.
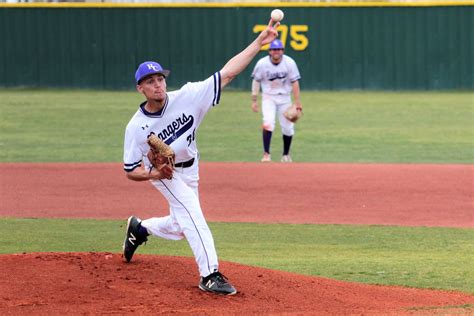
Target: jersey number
x=191 y=137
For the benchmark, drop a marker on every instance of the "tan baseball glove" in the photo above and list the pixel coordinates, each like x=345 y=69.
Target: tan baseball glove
x=293 y=114
x=161 y=155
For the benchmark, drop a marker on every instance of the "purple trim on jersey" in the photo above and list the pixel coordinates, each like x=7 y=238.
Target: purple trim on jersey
x=192 y=220
x=155 y=114
x=214 y=99
x=217 y=88
x=129 y=167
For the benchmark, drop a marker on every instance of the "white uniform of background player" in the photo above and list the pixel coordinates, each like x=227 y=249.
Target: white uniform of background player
x=174 y=117
x=277 y=75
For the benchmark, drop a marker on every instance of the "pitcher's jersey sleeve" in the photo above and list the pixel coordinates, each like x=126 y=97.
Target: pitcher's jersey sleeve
x=132 y=153
x=205 y=93
x=202 y=95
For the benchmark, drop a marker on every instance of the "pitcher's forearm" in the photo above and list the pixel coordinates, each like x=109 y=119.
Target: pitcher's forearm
x=239 y=62
x=142 y=174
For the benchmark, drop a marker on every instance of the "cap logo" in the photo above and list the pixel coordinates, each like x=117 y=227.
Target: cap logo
x=154 y=67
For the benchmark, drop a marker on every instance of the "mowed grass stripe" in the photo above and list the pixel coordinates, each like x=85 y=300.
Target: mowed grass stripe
x=373 y=127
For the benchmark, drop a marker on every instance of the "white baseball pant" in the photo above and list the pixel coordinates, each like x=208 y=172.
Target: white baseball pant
x=186 y=218
x=273 y=105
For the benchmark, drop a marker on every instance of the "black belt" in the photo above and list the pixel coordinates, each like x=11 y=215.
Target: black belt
x=185 y=164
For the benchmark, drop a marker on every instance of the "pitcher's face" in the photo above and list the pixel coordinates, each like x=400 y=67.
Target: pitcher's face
x=153 y=87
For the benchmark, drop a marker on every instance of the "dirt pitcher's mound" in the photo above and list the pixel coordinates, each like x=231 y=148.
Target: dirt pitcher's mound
x=59 y=283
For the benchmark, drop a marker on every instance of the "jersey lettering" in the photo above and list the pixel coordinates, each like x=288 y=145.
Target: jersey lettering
x=277 y=75
x=176 y=128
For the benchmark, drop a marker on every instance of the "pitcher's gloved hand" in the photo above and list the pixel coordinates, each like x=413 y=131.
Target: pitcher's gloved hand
x=161 y=156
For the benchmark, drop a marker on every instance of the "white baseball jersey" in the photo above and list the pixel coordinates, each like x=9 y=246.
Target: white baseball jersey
x=276 y=79
x=175 y=123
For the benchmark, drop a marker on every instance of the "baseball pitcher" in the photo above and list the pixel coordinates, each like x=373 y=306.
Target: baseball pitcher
x=160 y=146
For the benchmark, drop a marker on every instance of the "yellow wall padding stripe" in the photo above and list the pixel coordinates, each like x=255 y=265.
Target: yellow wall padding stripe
x=232 y=5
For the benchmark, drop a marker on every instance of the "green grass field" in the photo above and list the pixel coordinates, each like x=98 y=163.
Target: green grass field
x=368 y=127
x=379 y=127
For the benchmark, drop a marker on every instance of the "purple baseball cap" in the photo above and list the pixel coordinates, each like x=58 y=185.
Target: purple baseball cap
x=149 y=68
x=276 y=44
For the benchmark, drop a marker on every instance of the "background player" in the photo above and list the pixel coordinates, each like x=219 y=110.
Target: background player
x=278 y=75
x=174 y=117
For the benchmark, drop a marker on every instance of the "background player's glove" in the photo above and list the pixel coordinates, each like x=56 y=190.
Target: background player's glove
x=161 y=156
x=293 y=114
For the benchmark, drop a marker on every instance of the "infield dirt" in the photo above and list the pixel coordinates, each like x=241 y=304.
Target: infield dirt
x=298 y=193
x=97 y=283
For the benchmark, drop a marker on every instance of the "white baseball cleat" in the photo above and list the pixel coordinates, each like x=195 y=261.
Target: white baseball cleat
x=286 y=158
x=266 y=158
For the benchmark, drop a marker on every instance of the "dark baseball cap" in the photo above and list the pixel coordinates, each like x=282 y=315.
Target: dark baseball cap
x=148 y=68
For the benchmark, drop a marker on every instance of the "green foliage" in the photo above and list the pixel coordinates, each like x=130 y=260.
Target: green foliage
x=408 y=256
x=382 y=127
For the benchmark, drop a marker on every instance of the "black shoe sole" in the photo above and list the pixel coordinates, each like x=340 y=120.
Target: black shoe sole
x=216 y=292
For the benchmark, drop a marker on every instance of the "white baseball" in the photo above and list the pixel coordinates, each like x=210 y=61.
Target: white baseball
x=277 y=15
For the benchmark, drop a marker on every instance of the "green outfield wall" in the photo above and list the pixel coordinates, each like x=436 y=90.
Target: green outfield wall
x=351 y=46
